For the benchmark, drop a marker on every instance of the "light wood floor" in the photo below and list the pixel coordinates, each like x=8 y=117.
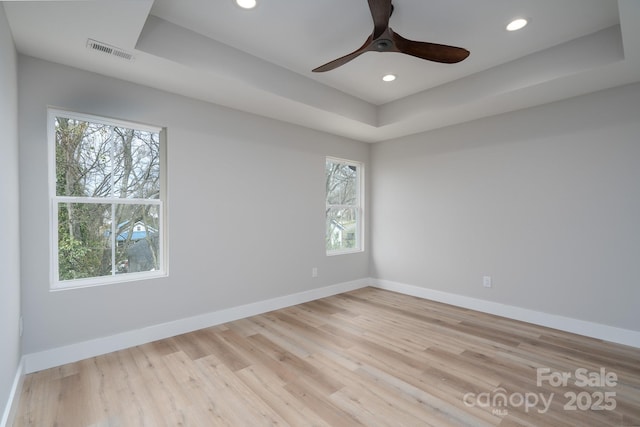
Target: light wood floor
x=368 y=357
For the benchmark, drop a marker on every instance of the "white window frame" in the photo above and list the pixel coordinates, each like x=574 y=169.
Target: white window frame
x=359 y=206
x=55 y=282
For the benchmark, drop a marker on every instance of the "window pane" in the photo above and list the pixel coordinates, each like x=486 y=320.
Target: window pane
x=136 y=159
x=83 y=240
x=342 y=225
x=83 y=158
x=137 y=238
x=98 y=160
x=87 y=245
x=341 y=182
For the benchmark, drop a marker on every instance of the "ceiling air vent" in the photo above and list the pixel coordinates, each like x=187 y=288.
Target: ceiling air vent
x=108 y=49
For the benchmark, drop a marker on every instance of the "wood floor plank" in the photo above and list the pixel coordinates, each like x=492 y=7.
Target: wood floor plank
x=366 y=395
x=271 y=390
x=367 y=357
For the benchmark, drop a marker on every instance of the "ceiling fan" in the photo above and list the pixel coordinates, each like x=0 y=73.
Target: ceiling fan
x=384 y=39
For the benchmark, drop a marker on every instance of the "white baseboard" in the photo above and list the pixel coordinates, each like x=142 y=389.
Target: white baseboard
x=9 y=414
x=576 y=326
x=83 y=350
x=72 y=353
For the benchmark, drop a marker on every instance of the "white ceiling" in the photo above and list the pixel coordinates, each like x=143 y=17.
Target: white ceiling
x=260 y=61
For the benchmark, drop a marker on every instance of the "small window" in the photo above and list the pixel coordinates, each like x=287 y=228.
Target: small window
x=343 y=206
x=107 y=200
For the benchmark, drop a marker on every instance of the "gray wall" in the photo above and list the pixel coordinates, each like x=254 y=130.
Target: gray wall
x=9 y=214
x=545 y=200
x=245 y=210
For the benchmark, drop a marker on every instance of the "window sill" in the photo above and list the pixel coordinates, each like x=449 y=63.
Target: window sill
x=344 y=252
x=103 y=281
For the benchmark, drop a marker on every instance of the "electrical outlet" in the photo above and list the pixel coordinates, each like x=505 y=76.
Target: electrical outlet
x=314 y=272
x=486 y=281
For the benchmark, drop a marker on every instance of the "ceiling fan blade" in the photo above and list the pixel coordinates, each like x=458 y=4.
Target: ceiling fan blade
x=344 y=59
x=429 y=51
x=380 y=12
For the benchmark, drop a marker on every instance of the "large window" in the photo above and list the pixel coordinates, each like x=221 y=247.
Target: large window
x=344 y=206
x=107 y=200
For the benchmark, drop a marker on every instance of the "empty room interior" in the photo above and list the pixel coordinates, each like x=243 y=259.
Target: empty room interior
x=325 y=213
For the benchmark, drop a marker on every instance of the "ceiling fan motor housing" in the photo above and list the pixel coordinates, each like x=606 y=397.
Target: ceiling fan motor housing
x=383 y=45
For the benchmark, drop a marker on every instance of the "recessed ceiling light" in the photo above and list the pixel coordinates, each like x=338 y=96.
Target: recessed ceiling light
x=246 y=4
x=389 y=77
x=517 y=24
